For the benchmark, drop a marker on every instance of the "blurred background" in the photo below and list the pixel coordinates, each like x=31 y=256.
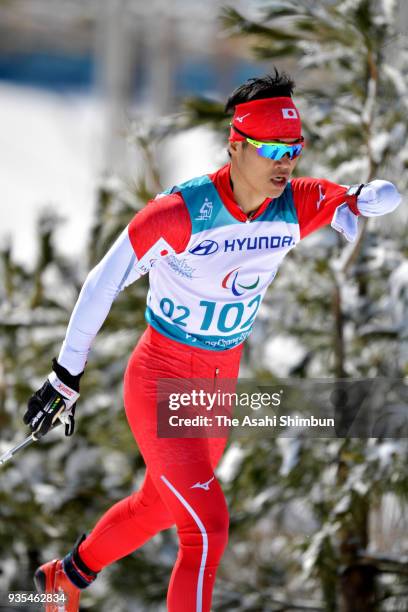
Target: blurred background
x=105 y=103
x=74 y=78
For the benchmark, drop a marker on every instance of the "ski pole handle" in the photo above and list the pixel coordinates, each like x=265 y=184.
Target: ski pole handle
x=29 y=440
x=10 y=453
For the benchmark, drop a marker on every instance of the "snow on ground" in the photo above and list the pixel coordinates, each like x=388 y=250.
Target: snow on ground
x=50 y=156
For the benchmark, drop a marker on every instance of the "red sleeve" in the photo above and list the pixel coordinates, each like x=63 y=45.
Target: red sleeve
x=165 y=217
x=316 y=201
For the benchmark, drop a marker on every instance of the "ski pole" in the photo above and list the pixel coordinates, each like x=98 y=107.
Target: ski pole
x=29 y=440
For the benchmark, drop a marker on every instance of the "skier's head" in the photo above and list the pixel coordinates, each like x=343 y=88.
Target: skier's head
x=264 y=115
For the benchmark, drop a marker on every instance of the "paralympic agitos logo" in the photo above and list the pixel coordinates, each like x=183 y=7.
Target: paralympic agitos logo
x=230 y=281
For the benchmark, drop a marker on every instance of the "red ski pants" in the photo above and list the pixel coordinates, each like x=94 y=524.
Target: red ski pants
x=173 y=466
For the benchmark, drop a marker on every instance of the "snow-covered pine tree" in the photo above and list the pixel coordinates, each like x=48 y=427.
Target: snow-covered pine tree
x=343 y=307
x=57 y=487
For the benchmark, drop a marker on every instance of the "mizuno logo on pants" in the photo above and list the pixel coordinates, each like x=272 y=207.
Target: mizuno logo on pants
x=203 y=485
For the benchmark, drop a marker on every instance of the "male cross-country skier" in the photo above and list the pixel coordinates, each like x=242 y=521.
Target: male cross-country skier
x=211 y=246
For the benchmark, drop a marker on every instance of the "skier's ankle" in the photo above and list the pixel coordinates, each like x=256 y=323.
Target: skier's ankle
x=77 y=571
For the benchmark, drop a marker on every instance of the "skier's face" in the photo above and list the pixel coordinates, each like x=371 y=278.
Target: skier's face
x=265 y=177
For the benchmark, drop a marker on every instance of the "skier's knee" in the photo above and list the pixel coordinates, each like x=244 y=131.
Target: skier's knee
x=210 y=535
x=217 y=543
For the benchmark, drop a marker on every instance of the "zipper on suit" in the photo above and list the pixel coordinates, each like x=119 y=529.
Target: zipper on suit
x=216 y=372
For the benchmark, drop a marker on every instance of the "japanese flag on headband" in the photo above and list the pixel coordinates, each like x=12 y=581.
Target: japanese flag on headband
x=267 y=119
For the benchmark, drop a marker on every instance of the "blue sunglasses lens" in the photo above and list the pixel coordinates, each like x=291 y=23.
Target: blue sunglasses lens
x=277 y=151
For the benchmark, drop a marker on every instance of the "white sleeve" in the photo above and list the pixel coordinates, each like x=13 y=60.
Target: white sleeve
x=114 y=272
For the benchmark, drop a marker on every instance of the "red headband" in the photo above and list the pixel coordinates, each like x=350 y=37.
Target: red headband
x=267 y=119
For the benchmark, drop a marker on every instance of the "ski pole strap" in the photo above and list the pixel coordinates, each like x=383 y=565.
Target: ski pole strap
x=38 y=436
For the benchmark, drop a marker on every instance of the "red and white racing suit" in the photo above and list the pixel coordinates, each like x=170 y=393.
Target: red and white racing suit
x=209 y=266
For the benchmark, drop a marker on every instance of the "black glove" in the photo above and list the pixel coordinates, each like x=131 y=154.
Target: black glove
x=55 y=400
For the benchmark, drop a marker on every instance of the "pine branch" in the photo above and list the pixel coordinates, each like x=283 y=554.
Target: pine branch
x=202 y=111
x=384 y=563
x=237 y=25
